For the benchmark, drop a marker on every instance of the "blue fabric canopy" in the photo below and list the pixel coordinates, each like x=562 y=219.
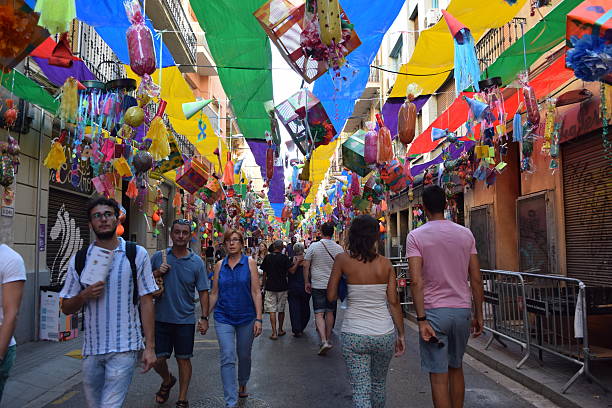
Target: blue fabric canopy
x=110 y=22
x=371 y=27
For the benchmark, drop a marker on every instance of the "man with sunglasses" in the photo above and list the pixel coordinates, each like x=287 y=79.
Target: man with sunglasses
x=112 y=319
x=183 y=272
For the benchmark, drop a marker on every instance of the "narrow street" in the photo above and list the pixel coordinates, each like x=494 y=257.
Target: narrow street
x=288 y=373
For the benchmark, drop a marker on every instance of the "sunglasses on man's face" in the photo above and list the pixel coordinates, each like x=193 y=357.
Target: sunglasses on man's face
x=100 y=215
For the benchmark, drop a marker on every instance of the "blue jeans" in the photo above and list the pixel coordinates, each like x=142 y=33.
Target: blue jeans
x=107 y=378
x=234 y=340
x=5 y=367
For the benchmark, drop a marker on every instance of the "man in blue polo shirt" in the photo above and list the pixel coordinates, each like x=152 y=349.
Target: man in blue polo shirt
x=183 y=272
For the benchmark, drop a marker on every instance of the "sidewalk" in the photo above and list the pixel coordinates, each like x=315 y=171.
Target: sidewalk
x=548 y=378
x=42 y=373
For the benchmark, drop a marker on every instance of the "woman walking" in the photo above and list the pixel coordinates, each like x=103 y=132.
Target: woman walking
x=236 y=298
x=373 y=327
x=299 y=299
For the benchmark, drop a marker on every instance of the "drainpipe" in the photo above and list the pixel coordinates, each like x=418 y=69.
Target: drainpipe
x=37 y=243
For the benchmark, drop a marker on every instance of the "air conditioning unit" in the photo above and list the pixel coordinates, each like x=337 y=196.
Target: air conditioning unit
x=432 y=17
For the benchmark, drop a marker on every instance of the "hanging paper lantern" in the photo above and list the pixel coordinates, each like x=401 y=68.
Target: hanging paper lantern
x=467 y=68
x=10 y=115
x=140 y=40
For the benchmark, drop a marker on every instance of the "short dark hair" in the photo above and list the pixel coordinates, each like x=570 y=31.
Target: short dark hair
x=96 y=201
x=434 y=199
x=327 y=229
x=362 y=237
x=277 y=245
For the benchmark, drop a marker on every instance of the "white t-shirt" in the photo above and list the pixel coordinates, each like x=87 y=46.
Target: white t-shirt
x=321 y=262
x=12 y=269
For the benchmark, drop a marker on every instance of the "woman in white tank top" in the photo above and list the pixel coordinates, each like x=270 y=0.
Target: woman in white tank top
x=373 y=328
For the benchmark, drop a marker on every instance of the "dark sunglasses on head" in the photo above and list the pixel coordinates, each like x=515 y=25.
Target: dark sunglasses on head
x=181 y=221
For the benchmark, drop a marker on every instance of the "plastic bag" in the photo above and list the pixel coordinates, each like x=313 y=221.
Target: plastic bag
x=139 y=40
x=385 y=148
x=370 y=151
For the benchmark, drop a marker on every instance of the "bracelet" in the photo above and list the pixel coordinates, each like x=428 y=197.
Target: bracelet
x=204 y=318
x=259 y=320
x=421 y=319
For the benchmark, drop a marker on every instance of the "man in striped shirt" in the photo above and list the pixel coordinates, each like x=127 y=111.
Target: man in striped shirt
x=113 y=331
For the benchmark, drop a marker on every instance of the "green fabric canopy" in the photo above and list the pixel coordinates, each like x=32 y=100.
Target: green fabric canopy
x=236 y=40
x=542 y=37
x=25 y=88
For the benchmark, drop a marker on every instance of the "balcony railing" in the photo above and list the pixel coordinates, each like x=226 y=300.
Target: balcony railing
x=182 y=23
x=497 y=40
x=374 y=75
x=97 y=55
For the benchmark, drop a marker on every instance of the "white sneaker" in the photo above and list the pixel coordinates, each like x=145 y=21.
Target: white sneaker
x=325 y=347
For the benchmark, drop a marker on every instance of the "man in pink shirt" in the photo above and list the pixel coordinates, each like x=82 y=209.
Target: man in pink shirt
x=445 y=278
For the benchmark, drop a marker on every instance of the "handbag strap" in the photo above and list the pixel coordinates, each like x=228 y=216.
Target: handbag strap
x=327 y=250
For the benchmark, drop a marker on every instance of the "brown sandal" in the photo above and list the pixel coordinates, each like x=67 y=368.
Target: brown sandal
x=182 y=404
x=164 y=391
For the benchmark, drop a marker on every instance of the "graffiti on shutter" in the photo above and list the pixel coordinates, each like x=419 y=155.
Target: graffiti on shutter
x=68 y=231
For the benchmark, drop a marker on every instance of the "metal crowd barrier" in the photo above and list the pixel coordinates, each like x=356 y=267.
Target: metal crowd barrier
x=403 y=283
x=504 y=310
x=543 y=312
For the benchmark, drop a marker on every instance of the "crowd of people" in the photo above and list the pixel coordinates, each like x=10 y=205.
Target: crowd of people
x=144 y=308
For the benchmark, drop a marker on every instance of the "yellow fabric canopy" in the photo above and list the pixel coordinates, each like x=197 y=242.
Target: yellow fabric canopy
x=318 y=167
x=175 y=91
x=433 y=56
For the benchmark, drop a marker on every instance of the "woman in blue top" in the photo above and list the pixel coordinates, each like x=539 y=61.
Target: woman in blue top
x=237 y=296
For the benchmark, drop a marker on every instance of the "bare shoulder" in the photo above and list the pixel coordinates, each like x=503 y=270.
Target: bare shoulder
x=252 y=263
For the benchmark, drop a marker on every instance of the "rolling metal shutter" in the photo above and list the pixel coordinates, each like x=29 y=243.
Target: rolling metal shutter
x=587 y=183
x=67 y=231
x=480 y=224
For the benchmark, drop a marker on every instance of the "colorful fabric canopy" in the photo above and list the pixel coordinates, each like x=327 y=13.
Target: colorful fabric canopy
x=276 y=186
x=546 y=34
x=110 y=22
x=236 y=40
x=338 y=95
x=25 y=88
x=543 y=84
x=433 y=57
x=58 y=75
x=176 y=91
x=321 y=159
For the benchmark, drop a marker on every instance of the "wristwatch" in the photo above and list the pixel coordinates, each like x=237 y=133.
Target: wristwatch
x=421 y=319
x=259 y=320
x=204 y=318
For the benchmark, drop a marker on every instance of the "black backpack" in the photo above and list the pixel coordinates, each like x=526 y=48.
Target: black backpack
x=80 y=260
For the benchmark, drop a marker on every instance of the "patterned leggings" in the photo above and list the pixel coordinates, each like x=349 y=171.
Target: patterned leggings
x=367 y=361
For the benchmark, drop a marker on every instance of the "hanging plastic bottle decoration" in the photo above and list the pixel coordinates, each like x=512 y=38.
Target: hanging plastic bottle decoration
x=406 y=117
x=370 y=151
x=56 y=15
x=10 y=115
x=385 y=144
x=139 y=40
x=467 y=68
x=531 y=102
x=269 y=161
x=554 y=147
x=549 y=127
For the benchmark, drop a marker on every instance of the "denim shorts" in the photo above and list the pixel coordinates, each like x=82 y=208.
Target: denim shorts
x=320 y=303
x=452 y=328
x=5 y=367
x=169 y=336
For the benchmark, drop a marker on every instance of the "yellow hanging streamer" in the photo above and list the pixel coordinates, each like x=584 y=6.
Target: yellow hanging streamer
x=160 y=148
x=69 y=100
